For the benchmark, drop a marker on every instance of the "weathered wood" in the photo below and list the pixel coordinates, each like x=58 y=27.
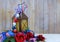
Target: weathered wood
x=44 y=15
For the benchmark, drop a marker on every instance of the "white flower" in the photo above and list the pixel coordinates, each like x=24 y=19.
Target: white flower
x=14 y=24
x=17 y=15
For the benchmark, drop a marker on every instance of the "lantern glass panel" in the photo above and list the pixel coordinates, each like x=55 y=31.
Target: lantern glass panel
x=24 y=24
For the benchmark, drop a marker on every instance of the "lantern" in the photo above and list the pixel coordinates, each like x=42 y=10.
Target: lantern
x=22 y=23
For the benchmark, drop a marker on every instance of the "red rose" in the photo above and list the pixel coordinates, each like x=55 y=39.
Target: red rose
x=29 y=35
x=20 y=37
x=40 y=38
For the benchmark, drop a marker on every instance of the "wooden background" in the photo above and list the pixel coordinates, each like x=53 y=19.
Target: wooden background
x=44 y=15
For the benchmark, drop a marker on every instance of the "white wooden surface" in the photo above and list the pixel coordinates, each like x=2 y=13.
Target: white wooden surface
x=52 y=37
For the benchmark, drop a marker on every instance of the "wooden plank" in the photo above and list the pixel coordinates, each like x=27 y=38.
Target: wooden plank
x=51 y=16
x=45 y=10
x=58 y=17
x=39 y=16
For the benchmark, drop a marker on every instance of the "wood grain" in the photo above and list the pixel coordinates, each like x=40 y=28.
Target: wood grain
x=44 y=15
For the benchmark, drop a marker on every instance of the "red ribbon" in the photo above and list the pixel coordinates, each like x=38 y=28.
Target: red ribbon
x=15 y=20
